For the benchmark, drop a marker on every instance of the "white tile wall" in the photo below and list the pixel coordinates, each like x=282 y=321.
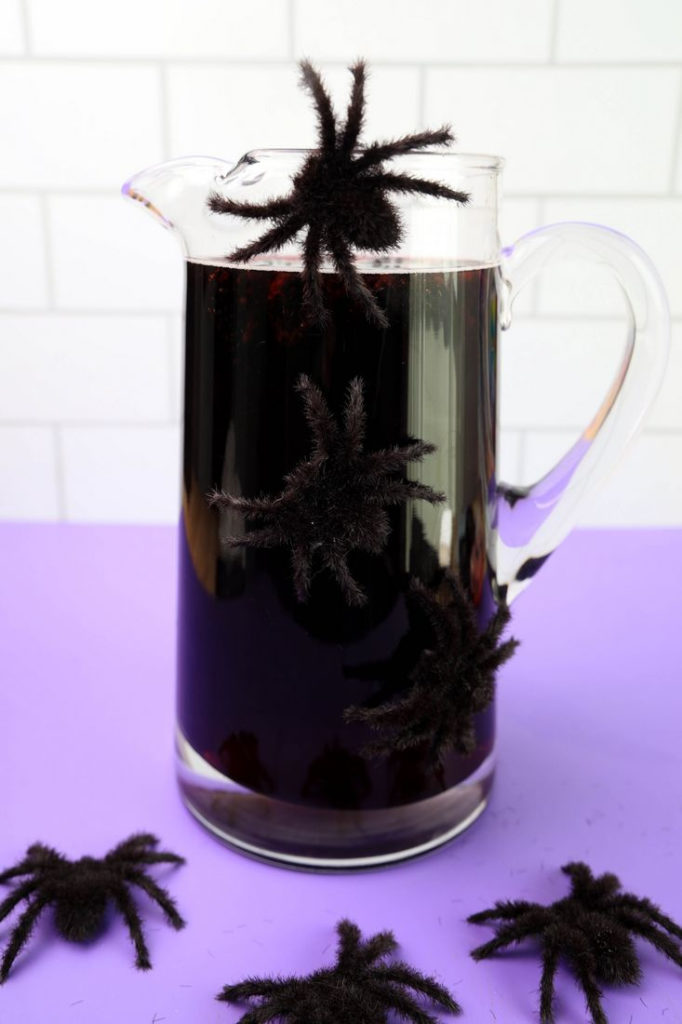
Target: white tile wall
x=160 y=28
x=109 y=255
x=28 y=470
x=656 y=224
x=11 y=27
x=645 y=487
x=570 y=130
x=401 y=30
x=556 y=373
x=23 y=256
x=620 y=30
x=121 y=475
x=583 y=97
x=77 y=125
x=85 y=369
x=205 y=114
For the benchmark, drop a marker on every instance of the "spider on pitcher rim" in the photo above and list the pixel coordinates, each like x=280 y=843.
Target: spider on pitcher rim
x=341 y=196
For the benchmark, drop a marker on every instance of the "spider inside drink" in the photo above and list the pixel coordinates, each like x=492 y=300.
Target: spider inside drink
x=266 y=757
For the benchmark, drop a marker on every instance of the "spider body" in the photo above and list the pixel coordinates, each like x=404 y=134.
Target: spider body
x=592 y=929
x=80 y=892
x=441 y=674
x=340 y=196
x=334 y=502
x=361 y=988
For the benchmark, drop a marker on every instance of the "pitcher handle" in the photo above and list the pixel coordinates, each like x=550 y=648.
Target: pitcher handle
x=533 y=520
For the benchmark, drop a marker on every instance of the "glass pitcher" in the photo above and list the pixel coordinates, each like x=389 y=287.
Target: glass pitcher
x=271 y=756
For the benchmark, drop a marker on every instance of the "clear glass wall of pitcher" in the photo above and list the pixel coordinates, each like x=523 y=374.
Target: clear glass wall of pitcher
x=268 y=756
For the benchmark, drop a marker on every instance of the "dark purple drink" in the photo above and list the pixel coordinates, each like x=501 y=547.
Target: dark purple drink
x=267 y=758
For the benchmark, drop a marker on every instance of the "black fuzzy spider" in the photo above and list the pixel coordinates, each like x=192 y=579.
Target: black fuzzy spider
x=449 y=667
x=592 y=929
x=359 y=989
x=341 y=197
x=334 y=502
x=80 y=891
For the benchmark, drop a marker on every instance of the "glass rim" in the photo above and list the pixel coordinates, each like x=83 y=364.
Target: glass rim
x=472 y=161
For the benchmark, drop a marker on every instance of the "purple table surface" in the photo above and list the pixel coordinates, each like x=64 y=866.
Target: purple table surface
x=590 y=767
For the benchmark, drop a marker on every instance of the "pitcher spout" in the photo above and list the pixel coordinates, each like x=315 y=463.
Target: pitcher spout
x=175 y=193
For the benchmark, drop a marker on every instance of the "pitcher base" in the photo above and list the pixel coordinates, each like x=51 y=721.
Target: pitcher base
x=325 y=839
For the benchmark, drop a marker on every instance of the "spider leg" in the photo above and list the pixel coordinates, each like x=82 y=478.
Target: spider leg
x=592 y=993
x=402 y=1003
x=322 y=424
x=408 y=183
x=400 y=973
x=394 y=492
x=155 y=891
x=300 y=564
x=323 y=105
x=352 y=281
x=508 y=910
x=496 y=658
x=268 y=210
x=662 y=942
x=155 y=858
x=21 y=934
x=445 y=629
x=550 y=963
x=354 y=418
x=380 y=151
x=25 y=868
x=379 y=945
x=352 y=590
x=267 y=1011
x=506 y=935
x=38 y=855
x=394 y=713
x=312 y=286
x=18 y=894
x=278 y=995
x=248 y=506
x=128 y=910
x=273 y=239
x=264 y=538
x=490 y=637
x=648 y=909
x=356 y=110
x=132 y=845
x=137 y=849
x=250 y=988
x=392 y=460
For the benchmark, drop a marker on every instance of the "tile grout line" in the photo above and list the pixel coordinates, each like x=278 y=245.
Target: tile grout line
x=165 y=110
x=521 y=456
x=85 y=424
x=49 y=261
x=174 y=423
x=26 y=25
x=150 y=59
x=421 y=96
x=95 y=311
x=677 y=142
x=541 y=212
x=59 y=470
x=291 y=29
x=554 y=33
